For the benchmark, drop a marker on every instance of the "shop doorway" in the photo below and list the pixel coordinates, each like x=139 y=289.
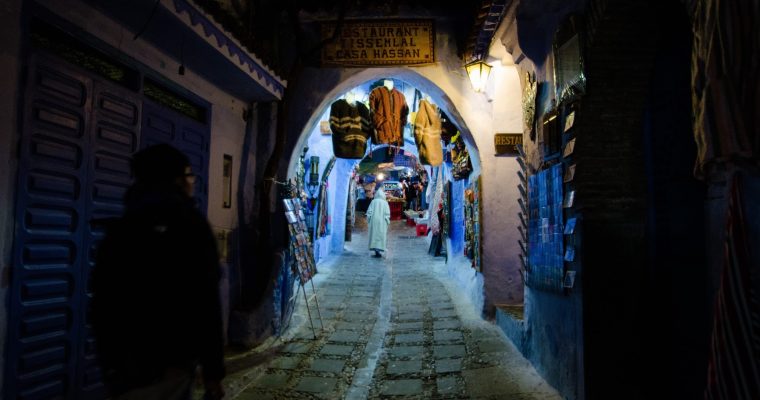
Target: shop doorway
x=406 y=167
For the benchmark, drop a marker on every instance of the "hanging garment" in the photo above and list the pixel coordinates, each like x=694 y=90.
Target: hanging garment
x=448 y=129
x=725 y=82
x=460 y=157
x=427 y=134
x=733 y=370
x=350 y=127
x=436 y=196
x=389 y=114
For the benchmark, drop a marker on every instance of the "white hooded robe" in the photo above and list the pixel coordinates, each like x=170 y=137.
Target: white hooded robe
x=378 y=217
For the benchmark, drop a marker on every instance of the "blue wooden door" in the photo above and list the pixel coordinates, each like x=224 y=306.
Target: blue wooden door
x=163 y=125
x=114 y=136
x=76 y=140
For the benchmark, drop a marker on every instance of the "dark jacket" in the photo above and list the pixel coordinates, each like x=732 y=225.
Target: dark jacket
x=155 y=285
x=350 y=129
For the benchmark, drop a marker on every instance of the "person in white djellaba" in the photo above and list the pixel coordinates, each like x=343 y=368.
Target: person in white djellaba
x=378 y=219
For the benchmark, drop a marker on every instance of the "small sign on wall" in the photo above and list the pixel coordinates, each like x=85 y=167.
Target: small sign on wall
x=506 y=143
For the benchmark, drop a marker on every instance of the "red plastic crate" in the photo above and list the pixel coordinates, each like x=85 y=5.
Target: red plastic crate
x=421 y=230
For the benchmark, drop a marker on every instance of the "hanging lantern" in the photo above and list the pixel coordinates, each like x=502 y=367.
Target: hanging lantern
x=478 y=72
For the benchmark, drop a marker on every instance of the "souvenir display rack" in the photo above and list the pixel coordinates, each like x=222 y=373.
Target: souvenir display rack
x=572 y=216
x=303 y=265
x=472 y=232
x=545 y=231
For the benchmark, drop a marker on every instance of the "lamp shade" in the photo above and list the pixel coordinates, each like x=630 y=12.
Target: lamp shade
x=478 y=72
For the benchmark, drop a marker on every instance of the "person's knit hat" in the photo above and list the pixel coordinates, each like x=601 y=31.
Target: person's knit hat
x=159 y=164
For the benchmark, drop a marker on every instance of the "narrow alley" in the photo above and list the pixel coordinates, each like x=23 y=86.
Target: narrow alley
x=393 y=328
x=569 y=190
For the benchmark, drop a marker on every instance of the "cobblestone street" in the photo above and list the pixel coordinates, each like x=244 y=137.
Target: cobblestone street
x=392 y=329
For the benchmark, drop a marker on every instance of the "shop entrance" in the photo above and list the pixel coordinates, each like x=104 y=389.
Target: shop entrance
x=430 y=173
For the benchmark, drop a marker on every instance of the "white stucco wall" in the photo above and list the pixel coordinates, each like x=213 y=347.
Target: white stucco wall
x=10 y=35
x=227 y=123
x=479 y=116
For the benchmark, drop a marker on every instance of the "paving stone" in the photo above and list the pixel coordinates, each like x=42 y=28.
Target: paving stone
x=297 y=347
x=345 y=336
x=316 y=384
x=406 y=326
x=396 y=367
x=448 y=365
x=361 y=308
x=441 y=305
x=447 y=335
x=439 y=314
x=359 y=317
x=417 y=316
x=491 y=346
x=448 y=385
x=448 y=351
x=357 y=326
x=408 y=338
x=331 y=299
x=272 y=381
x=284 y=362
x=401 y=387
x=325 y=365
x=485 y=382
x=253 y=394
x=338 y=350
x=411 y=308
x=446 y=324
x=406 y=351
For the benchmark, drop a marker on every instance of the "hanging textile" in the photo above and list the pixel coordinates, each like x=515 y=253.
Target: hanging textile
x=389 y=115
x=435 y=199
x=427 y=134
x=350 y=129
x=448 y=129
x=323 y=217
x=734 y=362
x=460 y=158
x=725 y=81
x=350 y=208
x=323 y=212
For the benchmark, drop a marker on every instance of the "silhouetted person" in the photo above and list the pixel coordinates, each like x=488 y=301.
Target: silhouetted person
x=156 y=307
x=411 y=195
x=378 y=218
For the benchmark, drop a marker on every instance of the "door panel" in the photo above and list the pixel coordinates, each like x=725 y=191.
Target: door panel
x=114 y=133
x=163 y=125
x=43 y=329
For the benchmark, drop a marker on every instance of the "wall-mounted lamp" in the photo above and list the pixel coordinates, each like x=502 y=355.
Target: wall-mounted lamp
x=478 y=72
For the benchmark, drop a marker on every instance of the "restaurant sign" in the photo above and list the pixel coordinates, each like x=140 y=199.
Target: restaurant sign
x=370 y=43
x=506 y=143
